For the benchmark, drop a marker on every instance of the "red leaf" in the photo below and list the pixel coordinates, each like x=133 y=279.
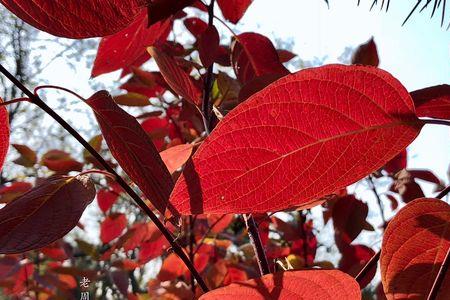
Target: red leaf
x=397 y=163
x=152 y=249
x=433 y=102
x=67 y=18
x=254 y=55
x=27 y=158
x=175 y=76
x=60 y=162
x=285 y=55
x=195 y=26
x=120 y=279
x=112 y=227
x=208 y=45
x=150 y=84
x=415 y=243
x=16 y=189
x=308 y=284
x=349 y=219
x=366 y=54
x=126 y=47
x=4 y=133
x=407 y=187
x=175 y=157
x=44 y=214
x=106 y=199
x=425 y=175
x=161 y=9
x=136 y=154
x=171 y=268
x=354 y=258
x=303 y=137
x=234 y=10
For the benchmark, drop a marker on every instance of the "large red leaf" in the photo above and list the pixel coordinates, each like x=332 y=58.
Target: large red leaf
x=253 y=55
x=308 y=284
x=414 y=246
x=175 y=76
x=4 y=133
x=126 y=47
x=433 y=102
x=305 y=136
x=136 y=153
x=72 y=19
x=44 y=214
x=234 y=10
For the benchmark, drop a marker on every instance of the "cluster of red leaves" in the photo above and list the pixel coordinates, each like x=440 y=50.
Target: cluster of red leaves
x=282 y=142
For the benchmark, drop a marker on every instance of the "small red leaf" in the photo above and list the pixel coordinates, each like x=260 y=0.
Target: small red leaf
x=308 y=284
x=132 y=99
x=175 y=157
x=254 y=55
x=28 y=157
x=126 y=47
x=415 y=243
x=354 y=258
x=234 y=10
x=44 y=214
x=67 y=18
x=366 y=54
x=302 y=137
x=60 y=162
x=195 y=26
x=208 y=46
x=136 y=154
x=112 y=227
x=433 y=102
x=175 y=76
x=398 y=163
x=106 y=199
x=4 y=133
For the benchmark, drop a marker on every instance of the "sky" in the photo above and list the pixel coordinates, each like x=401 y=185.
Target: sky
x=418 y=54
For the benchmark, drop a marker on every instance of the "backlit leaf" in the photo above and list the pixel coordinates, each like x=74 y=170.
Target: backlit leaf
x=127 y=47
x=132 y=99
x=234 y=10
x=175 y=157
x=433 y=102
x=303 y=137
x=136 y=154
x=208 y=45
x=415 y=243
x=44 y=214
x=308 y=284
x=27 y=158
x=67 y=18
x=175 y=76
x=4 y=133
x=112 y=227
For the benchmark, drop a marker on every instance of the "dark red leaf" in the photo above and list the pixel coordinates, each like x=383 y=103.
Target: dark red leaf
x=254 y=55
x=126 y=47
x=60 y=162
x=208 y=45
x=136 y=154
x=366 y=54
x=398 y=163
x=433 y=102
x=161 y=9
x=415 y=243
x=195 y=26
x=305 y=131
x=120 y=279
x=44 y=214
x=175 y=76
x=67 y=18
x=354 y=258
x=285 y=55
x=407 y=187
x=234 y=10
x=308 y=284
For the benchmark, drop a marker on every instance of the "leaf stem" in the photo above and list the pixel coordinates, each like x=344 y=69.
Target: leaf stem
x=439 y=277
x=258 y=247
x=436 y=122
x=206 y=105
x=16 y=100
x=176 y=248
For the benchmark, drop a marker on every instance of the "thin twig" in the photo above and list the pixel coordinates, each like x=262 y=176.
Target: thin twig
x=377 y=196
x=370 y=264
x=258 y=247
x=439 y=277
